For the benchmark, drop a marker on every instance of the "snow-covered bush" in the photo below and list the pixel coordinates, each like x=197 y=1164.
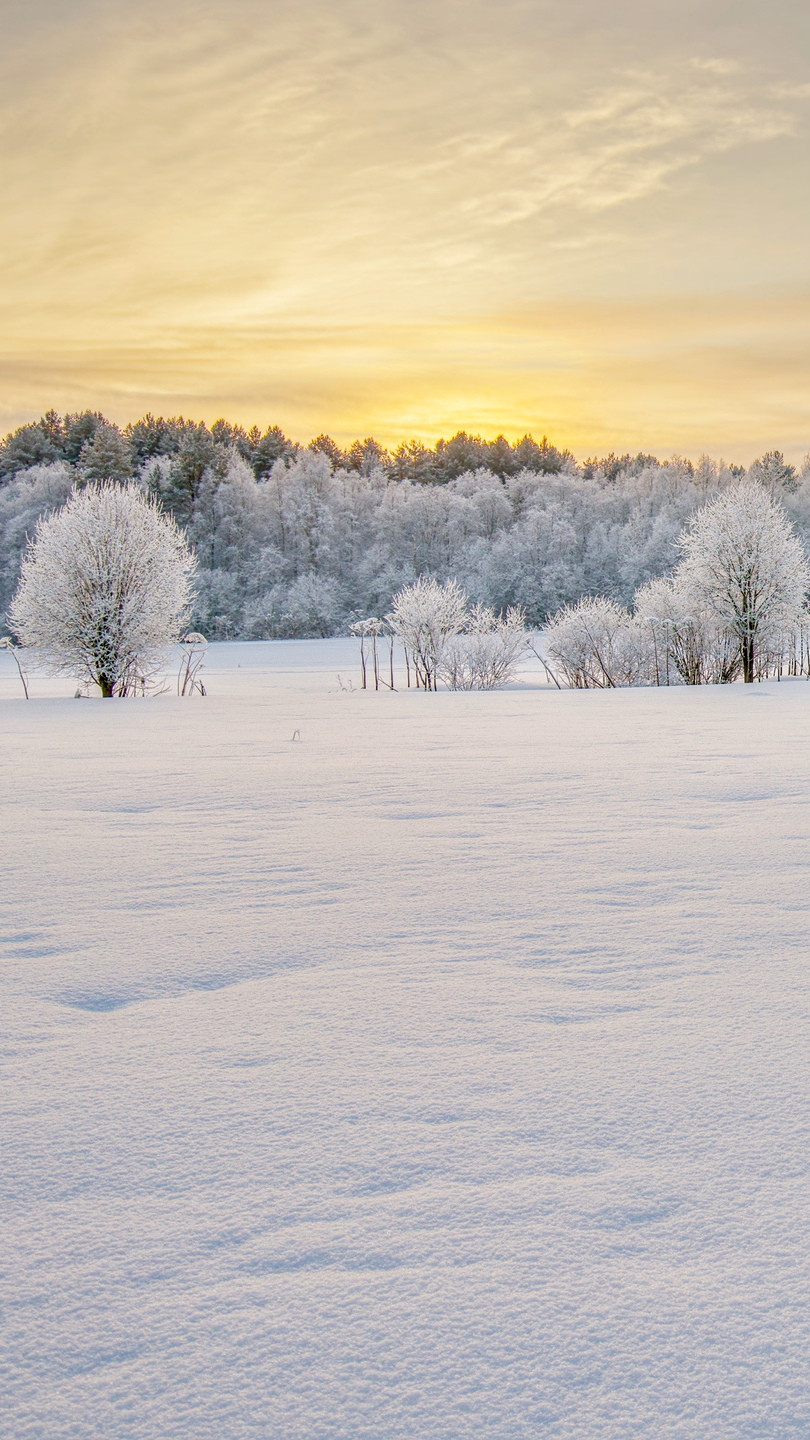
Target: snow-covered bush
x=745 y=567
x=597 y=644
x=105 y=588
x=426 y=616
x=487 y=652
x=443 y=639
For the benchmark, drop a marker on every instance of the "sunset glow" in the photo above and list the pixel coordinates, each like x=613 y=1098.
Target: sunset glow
x=404 y=219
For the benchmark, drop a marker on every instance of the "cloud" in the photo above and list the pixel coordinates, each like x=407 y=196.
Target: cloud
x=717 y=66
x=315 y=207
x=621 y=145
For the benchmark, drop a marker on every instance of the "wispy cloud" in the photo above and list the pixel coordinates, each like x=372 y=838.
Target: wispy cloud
x=623 y=143
x=717 y=66
x=236 y=195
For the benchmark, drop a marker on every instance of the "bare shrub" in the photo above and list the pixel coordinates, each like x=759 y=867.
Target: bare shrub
x=194 y=647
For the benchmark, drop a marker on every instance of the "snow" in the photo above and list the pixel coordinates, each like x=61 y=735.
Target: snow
x=441 y=1073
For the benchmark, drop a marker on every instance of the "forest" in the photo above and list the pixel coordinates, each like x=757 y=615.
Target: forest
x=296 y=541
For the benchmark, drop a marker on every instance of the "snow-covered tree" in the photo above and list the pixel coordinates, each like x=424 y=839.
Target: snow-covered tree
x=31 y=493
x=105 y=588
x=691 y=646
x=743 y=565
x=774 y=473
x=426 y=616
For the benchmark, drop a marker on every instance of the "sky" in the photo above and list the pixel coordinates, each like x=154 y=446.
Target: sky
x=583 y=218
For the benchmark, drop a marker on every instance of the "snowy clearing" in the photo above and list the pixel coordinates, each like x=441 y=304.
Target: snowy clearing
x=442 y=1072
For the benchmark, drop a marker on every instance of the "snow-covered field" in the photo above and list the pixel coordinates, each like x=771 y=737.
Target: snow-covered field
x=443 y=1072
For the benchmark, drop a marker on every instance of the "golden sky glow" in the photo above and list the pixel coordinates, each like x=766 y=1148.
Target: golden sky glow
x=581 y=217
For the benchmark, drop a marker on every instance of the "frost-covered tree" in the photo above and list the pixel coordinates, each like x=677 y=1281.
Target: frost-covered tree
x=426 y=616
x=774 y=473
x=743 y=565
x=105 y=588
x=31 y=493
x=690 y=645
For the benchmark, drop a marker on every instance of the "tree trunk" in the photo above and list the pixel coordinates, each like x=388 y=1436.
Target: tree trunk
x=106 y=687
x=747 y=650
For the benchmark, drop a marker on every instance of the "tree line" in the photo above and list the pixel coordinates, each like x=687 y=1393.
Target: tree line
x=106 y=589
x=101 y=451
x=295 y=540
